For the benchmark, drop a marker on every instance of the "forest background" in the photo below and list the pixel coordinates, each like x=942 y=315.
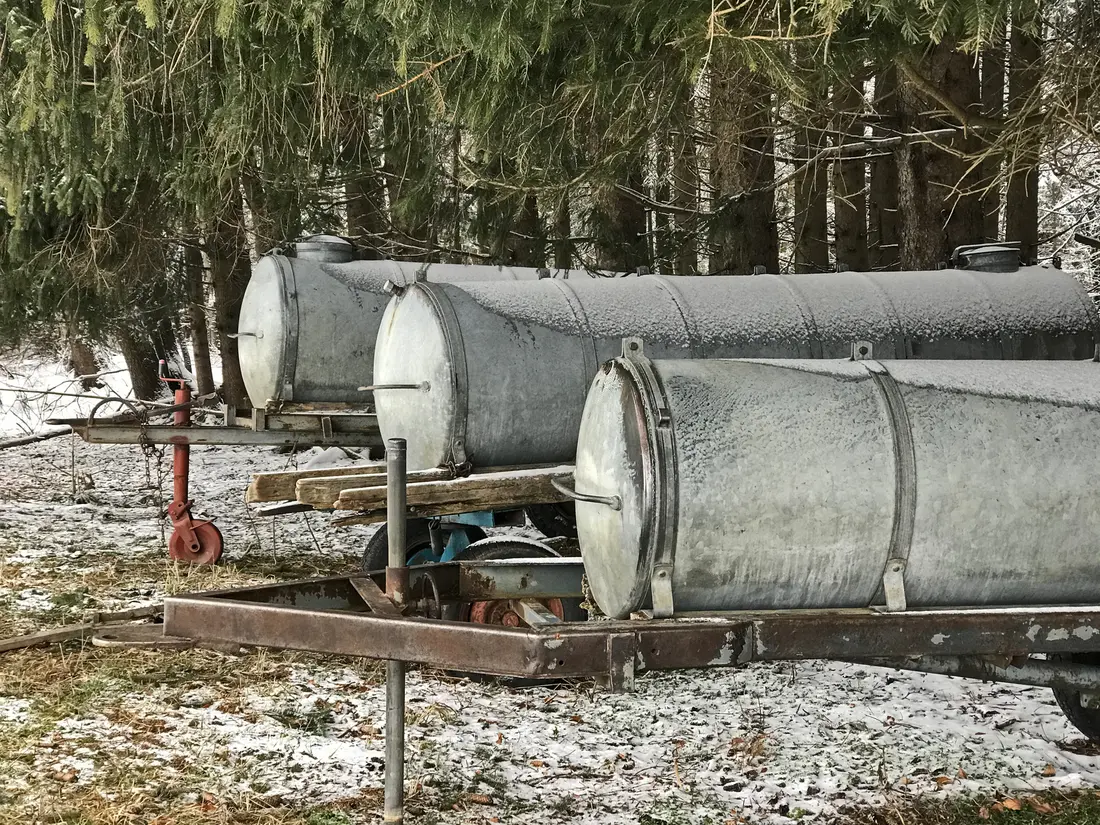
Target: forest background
x=151 y=150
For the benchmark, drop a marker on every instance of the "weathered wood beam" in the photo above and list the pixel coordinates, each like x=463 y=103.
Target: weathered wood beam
x=321 y=493
x=506 y=489
x=280 y=486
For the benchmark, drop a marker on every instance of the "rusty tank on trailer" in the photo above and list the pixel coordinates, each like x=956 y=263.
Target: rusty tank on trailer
x=308 y=323
x=497 y=373
x=751 y=484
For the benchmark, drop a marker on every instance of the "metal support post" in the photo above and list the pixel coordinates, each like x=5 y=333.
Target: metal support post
x=397 y=579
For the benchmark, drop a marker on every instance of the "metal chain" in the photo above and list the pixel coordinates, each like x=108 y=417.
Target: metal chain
x=150 y=451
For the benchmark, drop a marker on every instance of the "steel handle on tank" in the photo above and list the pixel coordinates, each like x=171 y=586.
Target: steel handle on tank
x=423 y=385
x=614 y=502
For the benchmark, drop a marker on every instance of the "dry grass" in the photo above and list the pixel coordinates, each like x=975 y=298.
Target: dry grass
x=1077 y=808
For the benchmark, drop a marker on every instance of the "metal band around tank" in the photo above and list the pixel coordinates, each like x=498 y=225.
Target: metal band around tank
x=452 y=333
x=691 y=331
x=807 y=314
x=659 y=544
x=905 y=478
x=903 y=342
x=289 y=357
x=587 y=340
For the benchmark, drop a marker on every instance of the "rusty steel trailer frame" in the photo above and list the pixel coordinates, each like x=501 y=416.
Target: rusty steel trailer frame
x=329 y=615
x=366 y=615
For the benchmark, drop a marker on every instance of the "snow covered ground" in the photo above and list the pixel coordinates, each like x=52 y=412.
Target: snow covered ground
x=160 y=732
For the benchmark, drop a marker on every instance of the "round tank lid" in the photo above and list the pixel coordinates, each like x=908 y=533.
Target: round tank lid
x=328 y=248
x=616 y=458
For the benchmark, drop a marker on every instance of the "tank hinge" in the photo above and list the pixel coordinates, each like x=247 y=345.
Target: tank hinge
x=633 y=347
x=893 y=585
x=862 y=350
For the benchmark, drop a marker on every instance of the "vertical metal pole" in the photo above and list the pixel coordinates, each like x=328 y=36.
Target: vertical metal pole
x=397 y=578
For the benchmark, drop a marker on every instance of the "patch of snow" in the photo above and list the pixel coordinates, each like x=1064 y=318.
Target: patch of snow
x=33 y=600
x=14 y=710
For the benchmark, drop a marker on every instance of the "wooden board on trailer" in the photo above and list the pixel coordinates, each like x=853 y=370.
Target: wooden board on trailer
x=501 y=489
x=321 y=493
x=280 y=486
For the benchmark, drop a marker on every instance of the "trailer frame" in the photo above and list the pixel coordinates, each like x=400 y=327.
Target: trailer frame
x=400 y=614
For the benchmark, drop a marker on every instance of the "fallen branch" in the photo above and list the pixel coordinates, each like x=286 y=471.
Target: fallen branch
x=33 y=439
x=78 y=631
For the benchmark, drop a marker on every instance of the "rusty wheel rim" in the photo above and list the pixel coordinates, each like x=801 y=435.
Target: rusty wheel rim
x=500 y=612
x=210 y=544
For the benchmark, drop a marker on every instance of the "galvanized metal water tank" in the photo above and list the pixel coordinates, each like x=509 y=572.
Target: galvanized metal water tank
x=751 y=484
x=308 y=324
x=502 y=369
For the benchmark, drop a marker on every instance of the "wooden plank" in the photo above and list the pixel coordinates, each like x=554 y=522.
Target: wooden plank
x=482 y=491
x=322 y=493
x=535 y=613
x=77 y=631
x=280 y=486
x=375 y=599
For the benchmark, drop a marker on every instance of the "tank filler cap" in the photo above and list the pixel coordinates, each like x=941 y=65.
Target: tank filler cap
x=325 y=248
x=988 y=257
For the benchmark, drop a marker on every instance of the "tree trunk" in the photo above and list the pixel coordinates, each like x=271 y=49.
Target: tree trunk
x=993 y=103
x=685 y=188
x=563 y=245
x=849 y=178
x=964 y=220
x=952 y=189
x=196 y=312
x=811 y=199
x=664 y=243
x=364 y=190
x=1022 y=201
x=882 y=212
x=921 y=238
x=619 y=225
x=82 y=361
x=744 y=233
x=410 y=177
x=528 y=239
x=366 y=219
x=276 y=211
x=141 y=361
x=229 y=269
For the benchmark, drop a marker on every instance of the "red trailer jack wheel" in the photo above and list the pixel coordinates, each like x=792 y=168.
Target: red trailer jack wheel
x=197 y=542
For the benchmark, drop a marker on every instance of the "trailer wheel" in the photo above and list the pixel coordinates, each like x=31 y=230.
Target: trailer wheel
x=497 y=612
x=417 y=538
x=554 y=520
x=1086 y=720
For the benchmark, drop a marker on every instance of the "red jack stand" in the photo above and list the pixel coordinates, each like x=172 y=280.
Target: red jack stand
x=198 y=542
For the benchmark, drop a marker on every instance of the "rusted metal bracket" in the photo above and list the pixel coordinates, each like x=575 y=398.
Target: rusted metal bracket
x=373 y=597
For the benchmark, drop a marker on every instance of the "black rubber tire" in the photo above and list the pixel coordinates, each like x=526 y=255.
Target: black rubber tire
x=417 y=538
x=554 y=520
x=1086 y=720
